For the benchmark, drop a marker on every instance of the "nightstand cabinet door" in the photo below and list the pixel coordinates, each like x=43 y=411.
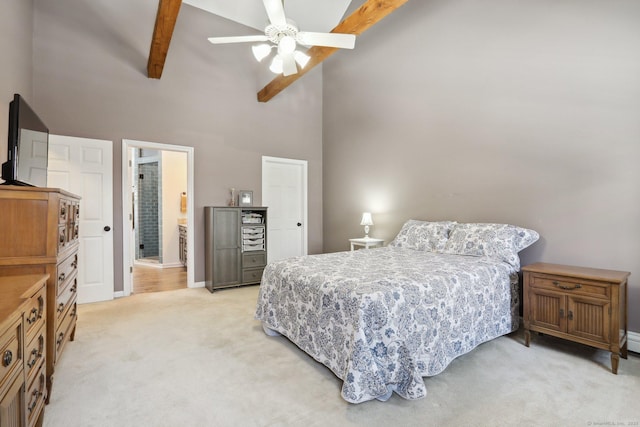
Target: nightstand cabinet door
x=548 y=310
x=589 y=318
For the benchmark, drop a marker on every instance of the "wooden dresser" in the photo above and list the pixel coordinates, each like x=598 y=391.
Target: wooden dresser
x=23 y=321
x=39 y=229
x=585 y=305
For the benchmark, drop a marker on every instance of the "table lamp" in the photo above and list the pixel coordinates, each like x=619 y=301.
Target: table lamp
x=366 y=221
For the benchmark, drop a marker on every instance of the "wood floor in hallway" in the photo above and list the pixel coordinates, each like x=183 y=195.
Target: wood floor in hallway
x=152 y=279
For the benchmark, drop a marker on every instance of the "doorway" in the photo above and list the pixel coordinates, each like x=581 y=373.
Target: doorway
x=157 y=195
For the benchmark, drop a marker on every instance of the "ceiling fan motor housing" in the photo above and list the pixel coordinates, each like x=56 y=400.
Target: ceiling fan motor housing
x=276 y=33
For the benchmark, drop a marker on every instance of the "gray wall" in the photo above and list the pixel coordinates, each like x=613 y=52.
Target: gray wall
x=497 y=111
x=16 y=36
x=90 y=81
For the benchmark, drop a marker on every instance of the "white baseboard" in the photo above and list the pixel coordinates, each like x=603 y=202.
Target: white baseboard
x=118 y=294
x=633 y=341
x=198 y=285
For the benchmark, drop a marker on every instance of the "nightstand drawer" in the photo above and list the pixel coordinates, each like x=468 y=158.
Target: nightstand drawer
x=572 y=285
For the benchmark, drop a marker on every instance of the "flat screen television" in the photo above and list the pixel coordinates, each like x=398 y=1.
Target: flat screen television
x=28 y=147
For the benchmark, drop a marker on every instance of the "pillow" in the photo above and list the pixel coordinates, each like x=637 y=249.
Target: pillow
x=498 y=241
x=423 y=235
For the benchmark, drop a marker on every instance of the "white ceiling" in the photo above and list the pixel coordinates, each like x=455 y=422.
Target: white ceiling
x=310 y=15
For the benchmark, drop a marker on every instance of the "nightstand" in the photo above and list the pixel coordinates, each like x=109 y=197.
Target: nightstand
x=366 y=242
x=585 y=305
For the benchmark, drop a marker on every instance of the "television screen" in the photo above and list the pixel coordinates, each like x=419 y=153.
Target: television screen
x=28 y=146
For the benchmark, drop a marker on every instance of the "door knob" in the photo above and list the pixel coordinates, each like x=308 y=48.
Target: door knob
x=299 y=224
x=107 y=228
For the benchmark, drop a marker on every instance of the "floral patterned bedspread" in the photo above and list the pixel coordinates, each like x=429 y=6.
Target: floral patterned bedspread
x=382 y=319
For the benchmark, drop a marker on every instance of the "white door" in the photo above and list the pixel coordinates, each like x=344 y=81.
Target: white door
x=284 y=192
x=85 y=167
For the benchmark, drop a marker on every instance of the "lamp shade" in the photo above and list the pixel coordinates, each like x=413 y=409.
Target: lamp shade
x=301 y=58
x=277 y=65
x=287 y=45
x=261 y=51
x=366 y=219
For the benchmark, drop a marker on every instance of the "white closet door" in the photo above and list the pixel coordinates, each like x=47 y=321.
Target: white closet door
x=284 y=192
x=85 y=167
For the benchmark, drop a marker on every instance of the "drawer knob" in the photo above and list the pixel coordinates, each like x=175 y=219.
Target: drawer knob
x=7 y=357
x=566 y=288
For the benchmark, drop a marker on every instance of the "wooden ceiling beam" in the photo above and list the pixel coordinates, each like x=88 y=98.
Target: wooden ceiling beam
x=162 y=33
x=367 y=15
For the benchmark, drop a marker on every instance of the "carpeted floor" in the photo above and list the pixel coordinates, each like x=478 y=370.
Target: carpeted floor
x=192 y=358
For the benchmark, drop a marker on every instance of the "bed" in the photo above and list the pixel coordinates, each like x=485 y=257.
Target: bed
x=382 y=319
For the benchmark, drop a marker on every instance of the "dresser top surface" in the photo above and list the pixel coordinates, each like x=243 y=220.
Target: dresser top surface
x=38 y=189
x=580 y=272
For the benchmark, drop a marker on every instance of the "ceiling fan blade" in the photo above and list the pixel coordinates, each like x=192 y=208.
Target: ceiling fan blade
x=288 y=65
x=275 y=11
x=238 y=39
x=342 y=41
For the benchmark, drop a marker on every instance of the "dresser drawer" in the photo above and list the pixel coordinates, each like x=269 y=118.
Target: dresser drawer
x=66 y=298
x=62 y=237
x=35 y=396
x=10 y=352
x=572 y=285
x=66 y=271
x=252 y=275
x=63 y=211
x=35 y=352
x=73 y=230
x=254 y=260
x=63 y=332
x=35 y=313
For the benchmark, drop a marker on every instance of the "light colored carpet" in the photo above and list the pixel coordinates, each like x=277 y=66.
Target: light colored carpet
x=192 y=358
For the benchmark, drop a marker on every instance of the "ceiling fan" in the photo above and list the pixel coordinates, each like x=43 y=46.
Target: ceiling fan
x=283 y=34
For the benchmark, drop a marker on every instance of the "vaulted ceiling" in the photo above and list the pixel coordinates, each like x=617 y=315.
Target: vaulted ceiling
x=312 y=15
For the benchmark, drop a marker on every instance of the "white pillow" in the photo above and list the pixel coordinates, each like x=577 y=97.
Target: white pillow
x=497 y=241
x=423 y=235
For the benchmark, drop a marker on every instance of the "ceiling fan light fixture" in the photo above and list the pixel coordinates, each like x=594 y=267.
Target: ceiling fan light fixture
x=261 y=51
x=277 y=65
x=287 y=45
x=301 y=58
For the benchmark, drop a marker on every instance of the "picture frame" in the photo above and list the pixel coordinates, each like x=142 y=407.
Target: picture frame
x=245 y=198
